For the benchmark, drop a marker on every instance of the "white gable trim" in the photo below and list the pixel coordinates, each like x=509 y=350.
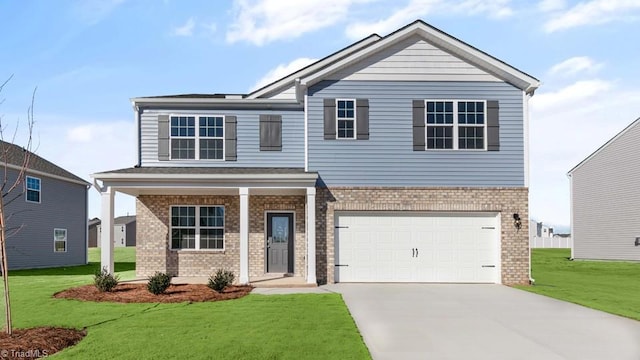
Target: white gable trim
x=441 y=40
x=289 y=80
x=604 y=146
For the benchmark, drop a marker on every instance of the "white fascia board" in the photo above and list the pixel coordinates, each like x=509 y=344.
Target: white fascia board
x=441 y=40
x=605 y=145
x=168 y=101
x=240 y=177
x=290 y=79
x=29 y=171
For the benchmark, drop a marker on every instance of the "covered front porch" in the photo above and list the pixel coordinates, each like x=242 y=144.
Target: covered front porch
x=258 y=223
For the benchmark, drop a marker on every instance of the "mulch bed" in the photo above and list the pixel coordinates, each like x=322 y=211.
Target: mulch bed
x=138 y=293
x=37 y=342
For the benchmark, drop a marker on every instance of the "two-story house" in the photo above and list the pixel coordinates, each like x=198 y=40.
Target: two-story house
x=401 y=158
x=45 y=213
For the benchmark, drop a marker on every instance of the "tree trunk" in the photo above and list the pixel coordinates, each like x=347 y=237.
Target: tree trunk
x=5 y=269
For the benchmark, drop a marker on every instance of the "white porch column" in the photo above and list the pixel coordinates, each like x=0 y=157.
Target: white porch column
x=311 y=235
x=244 y=235
x=106 y=239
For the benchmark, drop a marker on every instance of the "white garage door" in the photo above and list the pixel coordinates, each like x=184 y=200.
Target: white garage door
x=410 y=247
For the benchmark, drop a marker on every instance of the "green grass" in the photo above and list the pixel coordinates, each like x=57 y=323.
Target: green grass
x=304 y=326
x=611 y=286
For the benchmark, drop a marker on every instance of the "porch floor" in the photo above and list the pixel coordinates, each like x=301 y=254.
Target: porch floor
x=269 y=281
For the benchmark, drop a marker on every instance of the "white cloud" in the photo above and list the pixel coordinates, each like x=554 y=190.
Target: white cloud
x=575 y=65
x=282 y=70
x=594 y=12
x=184 y=30
x=551 y=5
x=263 y=21
x=86 y=147
x=567 y=125
x=416 y=9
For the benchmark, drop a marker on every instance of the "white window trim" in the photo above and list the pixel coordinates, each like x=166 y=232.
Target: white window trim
x=355 y=123
x=197 y=137
x=66 y=233
x=197 y=229
x=455 y=124
x=26 y=190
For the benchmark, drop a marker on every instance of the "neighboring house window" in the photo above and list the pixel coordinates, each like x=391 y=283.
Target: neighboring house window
x=33 y=189
x=205 y=143
x=455 y=124
x=346 y=118
x=60 y=240
x=197 y=227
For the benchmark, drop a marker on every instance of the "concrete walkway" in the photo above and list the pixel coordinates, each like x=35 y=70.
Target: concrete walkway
x=434 y=321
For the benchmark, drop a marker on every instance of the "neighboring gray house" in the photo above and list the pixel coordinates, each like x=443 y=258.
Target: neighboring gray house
x=401 y=158
x=48 y=210
x=605 y=200
x=94 y=232
x=124 y=231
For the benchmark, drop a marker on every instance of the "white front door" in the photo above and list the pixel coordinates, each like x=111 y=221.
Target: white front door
x=409 y=247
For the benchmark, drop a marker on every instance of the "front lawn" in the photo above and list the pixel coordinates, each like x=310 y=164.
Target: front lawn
x=611 y=286
x=305 y=326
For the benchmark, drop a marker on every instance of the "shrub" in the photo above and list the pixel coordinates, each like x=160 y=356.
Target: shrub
x=220 y=280
x=158 y=283
x=104 y=281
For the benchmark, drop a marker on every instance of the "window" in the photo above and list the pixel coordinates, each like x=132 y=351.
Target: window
x=455 y=124
x=346 y=118
x=205 y=143
x=197 y=227
x=59 y=240
x=33 y=189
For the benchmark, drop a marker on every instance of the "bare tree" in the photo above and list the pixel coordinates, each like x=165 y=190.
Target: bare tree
x=11 y=189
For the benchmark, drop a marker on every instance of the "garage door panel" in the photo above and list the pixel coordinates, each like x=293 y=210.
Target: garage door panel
x=450 y=247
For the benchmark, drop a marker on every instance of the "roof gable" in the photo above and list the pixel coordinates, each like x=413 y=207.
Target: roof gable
x=331 y=66
x=14 y=156
x=605 y=145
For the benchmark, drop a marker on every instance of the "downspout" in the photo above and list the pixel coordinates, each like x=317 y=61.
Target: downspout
x=86 y=223
x=302 y=97
x=572 y=234
x=525 y=104
x=138 y=117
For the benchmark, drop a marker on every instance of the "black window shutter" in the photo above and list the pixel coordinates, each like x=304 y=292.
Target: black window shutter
x=493 y=125
x=362 y=119
x=230 y=138
x=329 y=119
x=270 y=133
x=163 y=137
x=418 y=125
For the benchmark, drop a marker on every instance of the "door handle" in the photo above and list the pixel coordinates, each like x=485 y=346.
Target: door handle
x=417 y=253
x=413 y=252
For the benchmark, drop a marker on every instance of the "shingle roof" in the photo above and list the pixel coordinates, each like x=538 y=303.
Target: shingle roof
x=205 y=170
x=14 y=155
x=123 y=220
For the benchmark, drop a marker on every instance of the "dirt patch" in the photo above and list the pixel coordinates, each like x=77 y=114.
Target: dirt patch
x=138 y=293
x=37 y=342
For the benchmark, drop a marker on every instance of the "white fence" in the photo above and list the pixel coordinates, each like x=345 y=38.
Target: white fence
x=551 y=242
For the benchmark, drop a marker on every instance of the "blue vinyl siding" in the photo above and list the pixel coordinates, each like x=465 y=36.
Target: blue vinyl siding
x=388 y=159
x=63 y=205
x=248 y=139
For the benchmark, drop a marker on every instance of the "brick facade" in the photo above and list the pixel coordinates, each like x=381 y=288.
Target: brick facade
x=154 y=253
x=506 y=201
x=153 y=249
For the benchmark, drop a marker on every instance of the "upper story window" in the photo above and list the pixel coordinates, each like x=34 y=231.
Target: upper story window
x=455 y=124
x=33 y=189
x=197 y=137
x=346 y=118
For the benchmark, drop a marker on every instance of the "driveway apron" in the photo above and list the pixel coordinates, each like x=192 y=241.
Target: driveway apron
x=447 y=321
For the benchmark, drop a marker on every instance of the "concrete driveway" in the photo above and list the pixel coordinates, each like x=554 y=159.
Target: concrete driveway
x=433 y=321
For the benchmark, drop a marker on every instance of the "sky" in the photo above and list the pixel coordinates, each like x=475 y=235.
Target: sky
x=85 y=59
